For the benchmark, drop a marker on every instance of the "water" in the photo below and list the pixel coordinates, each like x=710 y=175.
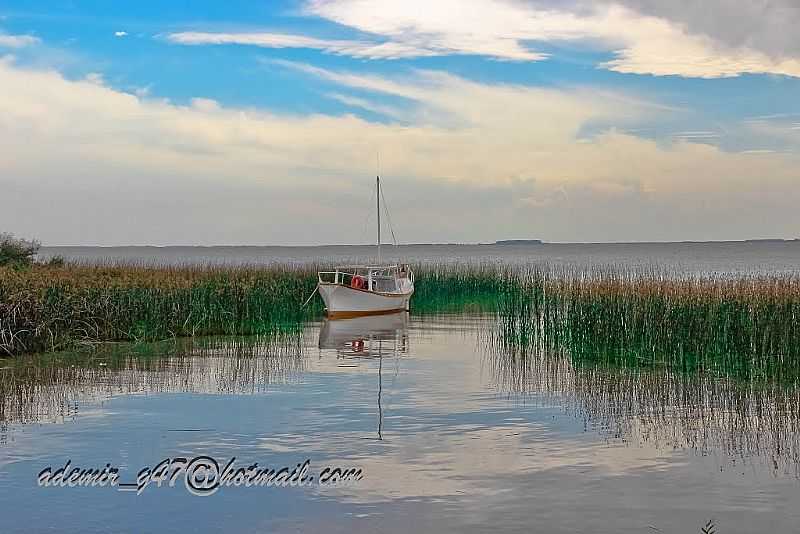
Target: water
x=722 y=257
x=451 y=435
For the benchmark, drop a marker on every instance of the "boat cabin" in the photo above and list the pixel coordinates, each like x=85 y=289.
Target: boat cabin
x=375 y=278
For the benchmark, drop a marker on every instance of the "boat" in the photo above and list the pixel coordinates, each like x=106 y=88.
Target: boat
x=358 y=290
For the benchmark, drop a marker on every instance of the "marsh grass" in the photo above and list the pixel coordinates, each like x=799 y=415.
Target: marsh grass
x=451 y=288
x=49 y=308
x=745 y=326
x=54 y=307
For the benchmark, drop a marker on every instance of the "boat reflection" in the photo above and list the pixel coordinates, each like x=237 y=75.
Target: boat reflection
x=366 y=337
x=369 y=337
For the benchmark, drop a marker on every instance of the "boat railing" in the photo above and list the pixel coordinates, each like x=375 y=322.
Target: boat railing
x=337 y=277
x=373 y=281
x=344 y=277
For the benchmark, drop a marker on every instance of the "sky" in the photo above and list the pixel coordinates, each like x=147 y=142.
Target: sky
x=265 y=122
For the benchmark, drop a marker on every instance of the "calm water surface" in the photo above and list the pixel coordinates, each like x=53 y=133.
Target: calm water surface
x=452 y=435
x=720 y=257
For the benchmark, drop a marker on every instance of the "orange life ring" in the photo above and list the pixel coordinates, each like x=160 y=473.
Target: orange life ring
x=357 y=282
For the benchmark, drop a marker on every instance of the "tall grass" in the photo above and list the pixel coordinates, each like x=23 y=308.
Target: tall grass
x=747 y=326
x=452 y=288
x=50 y=308
x=743 y=326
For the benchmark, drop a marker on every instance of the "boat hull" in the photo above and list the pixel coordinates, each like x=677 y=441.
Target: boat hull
x=342 y=301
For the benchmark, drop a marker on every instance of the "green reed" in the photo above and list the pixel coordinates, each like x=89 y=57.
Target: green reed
x=453 y=288
x=746 y=326
x=50 y=308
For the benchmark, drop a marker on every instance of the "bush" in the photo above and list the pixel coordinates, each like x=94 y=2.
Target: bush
x=16 y=252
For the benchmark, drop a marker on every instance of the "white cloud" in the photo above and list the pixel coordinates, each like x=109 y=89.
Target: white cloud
x=654 y=46
x=769 y=26
x=17 y=41
x=367 y=105
x=120 y=34
x=95 y=78
x=362 y=49
x=205 y=104
x=507 y=154
x=775 y=131
x=504 y=29
x=493 y=28
x=515 y=31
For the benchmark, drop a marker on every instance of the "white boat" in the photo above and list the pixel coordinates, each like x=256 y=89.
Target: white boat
x=357 y=290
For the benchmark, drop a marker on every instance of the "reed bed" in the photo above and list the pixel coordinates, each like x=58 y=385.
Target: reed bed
x=452 y=288
x=51 y=308
x=744 y=325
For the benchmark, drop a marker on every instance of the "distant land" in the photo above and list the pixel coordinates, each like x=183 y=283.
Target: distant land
x=519 y=242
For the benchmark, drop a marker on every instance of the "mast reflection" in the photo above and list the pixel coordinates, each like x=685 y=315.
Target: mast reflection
x=371 y=337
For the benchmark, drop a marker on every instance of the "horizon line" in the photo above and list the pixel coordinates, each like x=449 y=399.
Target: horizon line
x=501 y=242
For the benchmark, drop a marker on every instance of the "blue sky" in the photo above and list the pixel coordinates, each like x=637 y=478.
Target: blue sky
x=578 y=121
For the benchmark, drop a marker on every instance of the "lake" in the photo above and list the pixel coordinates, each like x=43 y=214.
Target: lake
x=448 y=429
x=712 y=257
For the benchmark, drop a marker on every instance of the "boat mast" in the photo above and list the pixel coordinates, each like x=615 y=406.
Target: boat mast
x=378 y=205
